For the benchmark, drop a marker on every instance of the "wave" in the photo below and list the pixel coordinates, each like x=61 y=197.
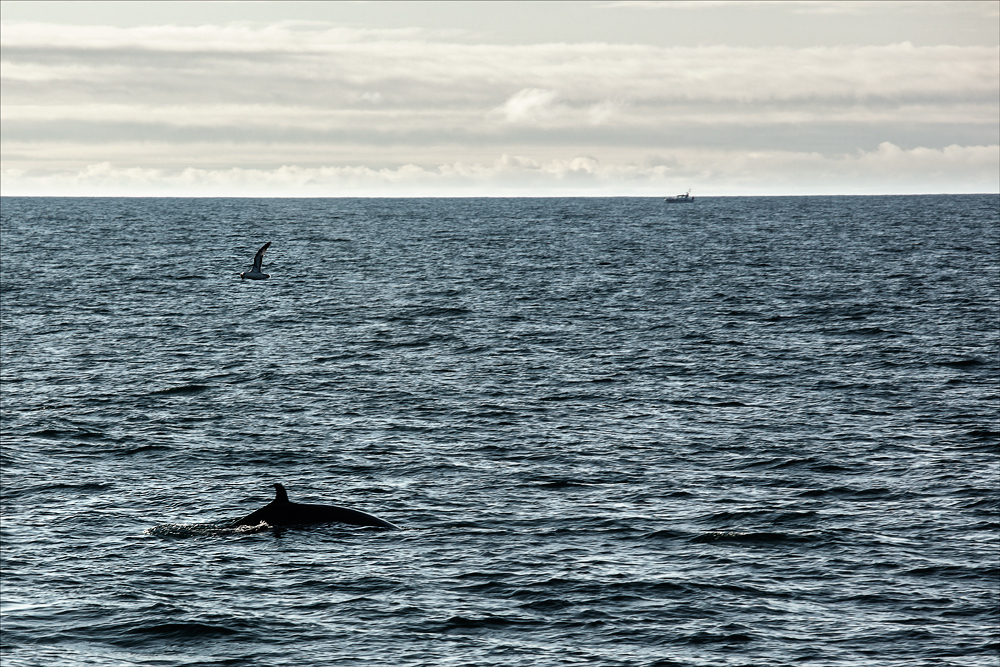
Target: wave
x=182 y=631
x=749 y=537
x=181 y=390
x=187 y=530
x=84 y=487
x=963 y=363
x=487 y=622
x=55 y=433
x=144 y=448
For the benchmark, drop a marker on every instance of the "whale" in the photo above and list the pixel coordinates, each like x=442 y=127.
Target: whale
x=282 y=512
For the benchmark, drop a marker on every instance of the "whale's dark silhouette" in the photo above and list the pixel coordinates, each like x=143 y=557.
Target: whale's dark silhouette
x=282 y=512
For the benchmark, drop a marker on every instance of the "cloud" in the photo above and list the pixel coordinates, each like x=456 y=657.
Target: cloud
x=538 y=107
x=282 y=81
x=531 y=105
x=849 y=7
x=953 y=168
x=332 y=66
x=335 y=105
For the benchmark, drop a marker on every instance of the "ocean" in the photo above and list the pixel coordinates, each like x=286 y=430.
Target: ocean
x=614 y=431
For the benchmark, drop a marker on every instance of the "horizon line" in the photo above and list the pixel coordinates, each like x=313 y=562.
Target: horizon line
x=576 y=196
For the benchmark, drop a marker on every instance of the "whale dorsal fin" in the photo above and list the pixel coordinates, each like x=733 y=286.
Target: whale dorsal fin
x=280 y=495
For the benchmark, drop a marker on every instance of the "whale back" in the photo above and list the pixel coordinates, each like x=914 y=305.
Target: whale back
x=282 y=512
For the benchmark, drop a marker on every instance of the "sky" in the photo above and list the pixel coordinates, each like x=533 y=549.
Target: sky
x=398 y=99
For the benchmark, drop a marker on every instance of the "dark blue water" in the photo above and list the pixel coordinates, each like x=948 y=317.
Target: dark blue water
x=744 y=431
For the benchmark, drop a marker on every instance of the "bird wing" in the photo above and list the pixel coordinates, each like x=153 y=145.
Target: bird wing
x=259 y=257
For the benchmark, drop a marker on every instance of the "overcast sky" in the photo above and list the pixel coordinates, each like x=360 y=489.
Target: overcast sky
x=478 y=98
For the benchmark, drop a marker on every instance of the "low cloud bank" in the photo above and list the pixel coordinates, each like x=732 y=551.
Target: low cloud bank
x=956 y=169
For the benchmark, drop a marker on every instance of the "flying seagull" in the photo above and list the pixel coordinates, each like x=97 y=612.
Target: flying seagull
x=255 y=273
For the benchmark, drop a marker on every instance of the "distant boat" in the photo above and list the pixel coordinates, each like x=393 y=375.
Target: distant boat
x=680 y=198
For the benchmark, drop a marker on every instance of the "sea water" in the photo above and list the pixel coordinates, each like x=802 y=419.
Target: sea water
x=616 y=432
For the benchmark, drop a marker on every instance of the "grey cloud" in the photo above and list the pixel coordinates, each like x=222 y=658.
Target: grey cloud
x=273 y=90
x=823 y=138
x=424 y=73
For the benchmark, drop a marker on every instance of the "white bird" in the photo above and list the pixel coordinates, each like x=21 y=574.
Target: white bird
x=255 y=273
